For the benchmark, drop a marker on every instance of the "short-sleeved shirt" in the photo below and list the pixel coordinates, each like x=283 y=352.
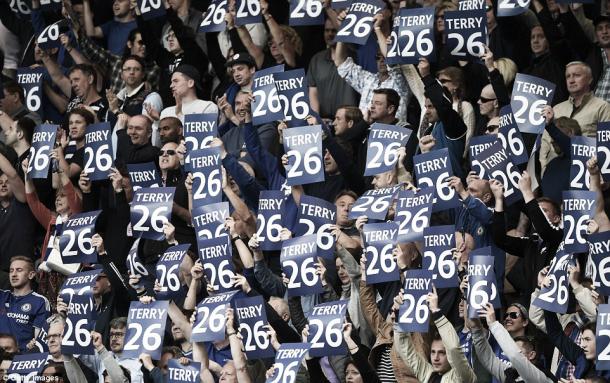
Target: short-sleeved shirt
x=116 y=34
x=20 y=314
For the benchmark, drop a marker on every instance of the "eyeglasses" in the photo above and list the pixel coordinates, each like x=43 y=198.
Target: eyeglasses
x=169 y=152
x=485 y=99
x=512 y=315
x=117 y=334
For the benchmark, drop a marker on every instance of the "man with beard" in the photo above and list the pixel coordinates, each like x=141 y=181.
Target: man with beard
x=22 y=311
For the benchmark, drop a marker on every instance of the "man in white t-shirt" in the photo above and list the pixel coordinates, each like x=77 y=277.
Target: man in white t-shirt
x=185 y=83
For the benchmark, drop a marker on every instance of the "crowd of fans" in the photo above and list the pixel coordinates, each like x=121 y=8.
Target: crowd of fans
x=143 y=76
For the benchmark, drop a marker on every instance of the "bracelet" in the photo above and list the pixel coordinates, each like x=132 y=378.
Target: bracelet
x=231 y=333
x=352 y=349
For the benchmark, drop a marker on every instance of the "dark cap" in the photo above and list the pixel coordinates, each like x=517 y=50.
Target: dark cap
x=190 y=72
x=241 y=58
x=601 y=19
x=89 y=267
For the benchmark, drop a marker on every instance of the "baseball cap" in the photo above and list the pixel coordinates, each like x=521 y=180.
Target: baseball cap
x=241 y=58
x=190 y=72
x=601 y=18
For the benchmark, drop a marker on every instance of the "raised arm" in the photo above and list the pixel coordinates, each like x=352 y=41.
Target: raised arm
x=15 y=182
x=90 y=28
x=601 y=218
x=287 y=49
x=58 y=77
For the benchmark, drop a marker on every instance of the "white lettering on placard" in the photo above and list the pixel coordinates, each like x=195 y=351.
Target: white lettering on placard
x=145 y=313
x=471 y=5
x=506 y=119
x=269 y=204
x=100 y=135
x=479 y=148
x=172 y=256
x=328 y=310
x=302 y=139
x=42 y=137
x=317 y=211
x=213 y=216
x=583 y=150
x=182 y=374
x=438 y=240
x=363 y=7
x=85 y=280
x=415 y=201
x=199 y=126
x=249 y=312
x=263 y=81
x=495 y=159
x=209 y=252
x=417 y=284
x=29 y=78
x=466 y=23
x=153 y=197
x=577 y=204
x=380 y=235
x=431 y=165
x=289 y=354
x=80 y=221
x=298 y=249
x=412 y=21
x=291 y=83
x=79 y=308
x=27 y=364
x=200 y=162
x=479 y=269
x=528 y=87
x=599 y=247
x=143 y=176
x=389 y=134
x=603 y=136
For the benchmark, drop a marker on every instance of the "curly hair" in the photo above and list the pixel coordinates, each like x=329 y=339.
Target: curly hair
x=293 y=38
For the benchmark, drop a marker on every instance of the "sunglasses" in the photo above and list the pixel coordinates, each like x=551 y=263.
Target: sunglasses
x=484 y=99
x=489 y=8
x=169 y=152
x=512 y=315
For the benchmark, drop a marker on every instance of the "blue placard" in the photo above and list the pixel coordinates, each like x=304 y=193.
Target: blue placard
x=326 y=329
x=98 y=151
x=216 y=257
x=199 y=130
x=49 y=37
x=179 y=373
x=43 y=142
x=299 y=256
x=439 y=242
x=50 y=5
x=599 y=251
x=24 y=368
x=340 y=4
x=374 y=203
x=306 y=12
x=293 y=93
x=151 y=9
x=581 y=150
x=31 y=80
x=496 y=162
x=40 y=342
x=145 y=329
x=252 y=317
x=555 y=297
x=75 y=241
x=269 y=219
x=150 y=209
x=413 y=210
x=466 y=33
x=383 y=143
x=144 y=175
x=482 y=282
x=510 y=136
x=214 y=17
x=303 y=146
x=530 y=95
x=414 y=313
x=512 y=7
x=477 y=145
x=603 y=149
x=168 y=272
x=247 y=12
x=79 y=323
x=602 y=338
x=287 y=362
x=133 y=263
x=22 y=7
x=266 y=106
x=379 y=242
x=433 y=169
x=412 y=36
x=210 y=320
x=316 y=216
x=209 y=220
x=206 y=167
x=78 y=284
x=358 y=24
x=578 y=207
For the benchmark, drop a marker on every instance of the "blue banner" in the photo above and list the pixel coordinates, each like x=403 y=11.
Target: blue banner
x=179 y=373
x=216 y=257
x=306 y=12
x=168 y=272
x=133 y=263
x=293 y=93
x=413 y=210
x=40 y=343
x=206 y=167
x=209 y=220
x=214 y=17
x=144 y=175
x=581 y=150
x=414 y=313
x=477 y=145
x=31 y=80
x=24 y=368
x=512 y=7
x=482 y=282
x=247 y=12
x=75 y=241
x=79 y=324
x=498 y=165
x=412 y=36
x=358 y=24
x=78 y=284
x=299 y=256
x=433 y=169
x=316 y=216
x=374 y=203
x=599 y=251
x=530 y=95
x=578 y=208
x=303 y=146
x=383 y=143
x=510 y=136
x=145 y=329
x=199 y=130
x=50 y=5
x=379 y=242
x=469 y=5
x=151 y=9
x=266 y=106
x=269 y=219
x=49 y=37
x=603 y=149
x=466 y=33
x=439 y=242
x=252 y=317
x=22 y=8
x=555 y=297
x=43 y=141
x=98 y=151
x=340 y=4
x=602 y=338
x=150 y=209
x=211 y=318
x=326 y=329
